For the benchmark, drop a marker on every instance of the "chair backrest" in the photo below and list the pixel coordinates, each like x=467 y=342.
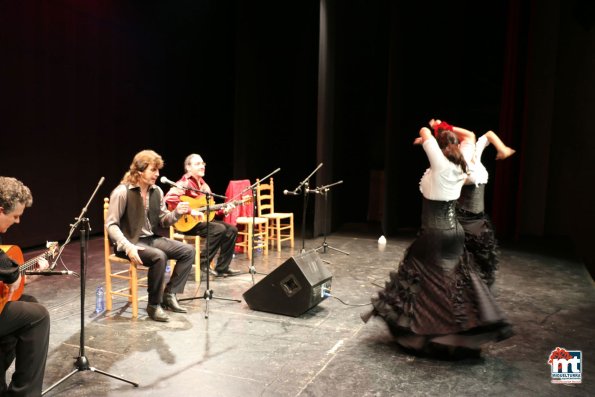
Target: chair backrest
x=265 y=197
x=106 y=240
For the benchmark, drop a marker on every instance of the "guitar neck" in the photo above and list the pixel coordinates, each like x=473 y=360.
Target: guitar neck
x=32 y=262
x=216 y=207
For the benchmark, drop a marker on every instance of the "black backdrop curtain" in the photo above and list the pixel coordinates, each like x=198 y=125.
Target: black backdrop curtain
x=85 y=85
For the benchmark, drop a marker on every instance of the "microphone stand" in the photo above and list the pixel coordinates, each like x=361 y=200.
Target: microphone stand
x=82 y=363
x=303 y=187
x=73 y=227
x=324 y=191
x=208 y=295
x=252 y=270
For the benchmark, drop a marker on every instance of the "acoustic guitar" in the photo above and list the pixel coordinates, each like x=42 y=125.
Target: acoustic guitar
x=15 y=253
x=188 y=221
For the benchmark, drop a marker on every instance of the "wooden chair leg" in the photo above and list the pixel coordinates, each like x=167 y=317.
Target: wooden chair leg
x=197 y=268
x=134 y=287
x=278 y=226
x=291 y=230
x=266 y=237
x=108 y=286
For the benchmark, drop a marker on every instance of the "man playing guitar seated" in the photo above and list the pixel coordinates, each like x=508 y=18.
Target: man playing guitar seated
x=24 y=323
x=222 y=235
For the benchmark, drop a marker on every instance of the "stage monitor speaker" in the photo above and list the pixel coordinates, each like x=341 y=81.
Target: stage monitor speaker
x=296 y=286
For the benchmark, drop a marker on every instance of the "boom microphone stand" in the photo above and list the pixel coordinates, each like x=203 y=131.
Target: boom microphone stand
x=254 y=209
x=324 y=191
x=303 y=188
x=82 y=363
x=208 y=295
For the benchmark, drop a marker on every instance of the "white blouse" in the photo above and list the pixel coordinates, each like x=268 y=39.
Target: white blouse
x=443 y=180
x=478 y=174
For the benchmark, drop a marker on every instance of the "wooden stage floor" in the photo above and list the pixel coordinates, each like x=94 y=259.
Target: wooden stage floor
x=327 y=351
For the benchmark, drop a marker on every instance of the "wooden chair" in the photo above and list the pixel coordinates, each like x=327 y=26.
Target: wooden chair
x=241 y=217
x=118 y=269
x=247 y=228
x=280 y=223
x=188 y=239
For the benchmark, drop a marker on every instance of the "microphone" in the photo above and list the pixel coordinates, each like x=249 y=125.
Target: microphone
x=49 y=273
x=168 y=182
x=315 y=191
x=287 y=192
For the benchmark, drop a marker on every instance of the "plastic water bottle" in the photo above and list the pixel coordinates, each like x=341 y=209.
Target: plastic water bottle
x=258 y=244
x=99 y=300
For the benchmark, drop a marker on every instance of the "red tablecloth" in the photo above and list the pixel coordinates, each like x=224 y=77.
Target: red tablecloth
x=234 y=192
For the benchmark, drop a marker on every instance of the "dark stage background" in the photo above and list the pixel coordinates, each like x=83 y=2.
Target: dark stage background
x=256 y=85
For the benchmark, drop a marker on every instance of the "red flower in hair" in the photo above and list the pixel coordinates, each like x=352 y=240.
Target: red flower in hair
x=443 y=125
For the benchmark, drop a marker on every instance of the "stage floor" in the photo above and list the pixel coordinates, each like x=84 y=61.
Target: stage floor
x=328 y=351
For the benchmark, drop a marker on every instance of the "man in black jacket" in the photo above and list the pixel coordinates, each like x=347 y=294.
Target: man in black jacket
x=24 y=323
x=136 y=212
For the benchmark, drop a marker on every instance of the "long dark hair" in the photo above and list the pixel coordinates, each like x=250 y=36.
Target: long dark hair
x=141 y=161
x=449 y=143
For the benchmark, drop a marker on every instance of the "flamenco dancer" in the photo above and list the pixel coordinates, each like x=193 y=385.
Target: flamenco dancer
x=436 y=303
x=480 y=239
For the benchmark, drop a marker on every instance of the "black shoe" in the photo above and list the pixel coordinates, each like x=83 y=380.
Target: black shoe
x=171 y=302
x=156 y=313
x=228 y=273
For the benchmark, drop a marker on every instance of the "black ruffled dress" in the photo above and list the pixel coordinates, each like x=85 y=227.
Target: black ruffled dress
x=436 y=302
x=480 y=239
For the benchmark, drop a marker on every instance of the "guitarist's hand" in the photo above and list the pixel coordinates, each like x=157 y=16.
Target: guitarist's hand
x=200 y=215
x=228 y=209
x=133 y=255
x=183 y=207
x=14 y=286
x=43 y=264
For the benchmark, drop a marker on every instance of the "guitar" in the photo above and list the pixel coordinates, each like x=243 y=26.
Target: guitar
x=188 y=221
x=15 y=253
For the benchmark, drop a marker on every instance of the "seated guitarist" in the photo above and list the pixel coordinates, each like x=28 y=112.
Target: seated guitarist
x=136 y=213
x=24 y=323
x=222 y=235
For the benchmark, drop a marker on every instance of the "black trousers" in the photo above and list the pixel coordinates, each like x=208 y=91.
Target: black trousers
x=24 y=335
x=222 y=236
x=157 y=251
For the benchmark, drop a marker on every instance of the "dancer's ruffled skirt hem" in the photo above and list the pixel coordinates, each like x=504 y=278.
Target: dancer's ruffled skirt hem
x=437 y=300
x=480 y=241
